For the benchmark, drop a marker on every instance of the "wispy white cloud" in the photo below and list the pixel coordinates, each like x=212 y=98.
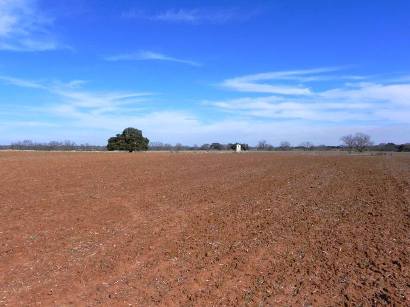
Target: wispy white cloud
x=273 y=107
x=149 y=56
x=23 y=27
x=27 y=124
x=194 y=16
x=296 y=97
x=71 y=98
x=321 y=116
x=103 y=113
x=396 y=93
x=257 y=83
x=22 y=82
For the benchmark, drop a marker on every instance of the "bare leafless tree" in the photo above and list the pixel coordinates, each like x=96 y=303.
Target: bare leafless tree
x=307 y=145
x=284 y=145
x=178 y=147
x=348 y=141
x=359 y=141
x=261 y=145
x=362 y=141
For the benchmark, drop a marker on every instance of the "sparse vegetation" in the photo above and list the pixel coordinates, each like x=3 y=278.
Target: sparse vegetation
x=52 y=146
x=216 y=146
x=285 y=145
x=359 y=142
x=263 y=145
x=307 y=145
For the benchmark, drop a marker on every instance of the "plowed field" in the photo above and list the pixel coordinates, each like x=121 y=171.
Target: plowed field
x=204 y=229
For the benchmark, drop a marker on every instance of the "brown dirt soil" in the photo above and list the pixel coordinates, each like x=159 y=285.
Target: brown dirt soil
x=204 y=229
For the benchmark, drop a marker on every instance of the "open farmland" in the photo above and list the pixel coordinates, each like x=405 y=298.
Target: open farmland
x=204 y=229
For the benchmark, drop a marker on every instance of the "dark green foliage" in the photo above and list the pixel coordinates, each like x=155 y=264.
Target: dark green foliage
x=131 y=140
x=216 y=146
x=404 y=147
x=244 y=146
x=205 y=147
x=233 y=146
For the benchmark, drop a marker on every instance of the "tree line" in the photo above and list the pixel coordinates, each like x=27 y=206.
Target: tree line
x=52 y=145
x=159 y=146
x=131 y=139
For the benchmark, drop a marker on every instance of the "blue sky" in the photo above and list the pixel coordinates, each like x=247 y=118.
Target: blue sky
x=205 y=71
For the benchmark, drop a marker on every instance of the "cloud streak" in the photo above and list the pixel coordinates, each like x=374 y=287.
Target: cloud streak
x=194 y=16
x=149 y=56
x=293 y=96
x=321 y=116
x=103 y=113
x=73 y=99
x=257 y=83
x=24 y=28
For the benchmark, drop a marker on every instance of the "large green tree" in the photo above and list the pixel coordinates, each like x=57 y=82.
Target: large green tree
x=130 y=139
